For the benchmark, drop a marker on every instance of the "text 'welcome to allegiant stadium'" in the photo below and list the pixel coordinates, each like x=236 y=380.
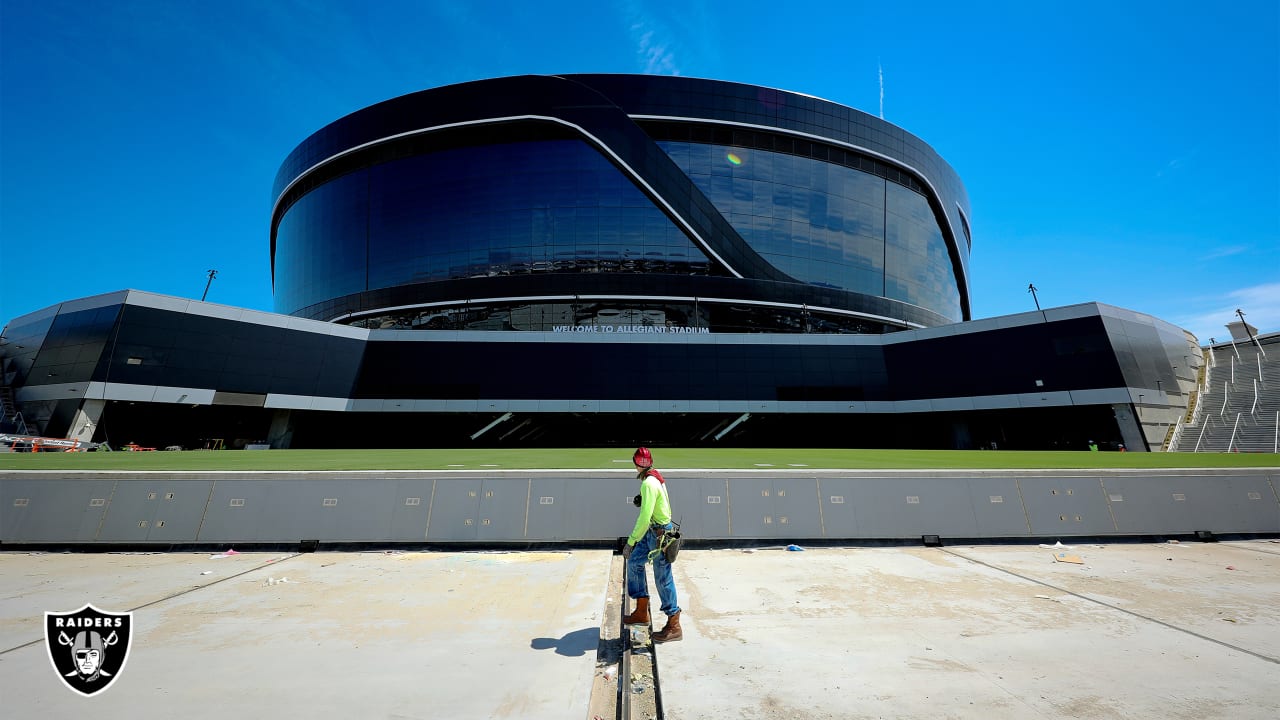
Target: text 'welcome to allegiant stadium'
x=651 y=329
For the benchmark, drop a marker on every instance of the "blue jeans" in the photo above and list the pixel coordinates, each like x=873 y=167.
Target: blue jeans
x=637 y=582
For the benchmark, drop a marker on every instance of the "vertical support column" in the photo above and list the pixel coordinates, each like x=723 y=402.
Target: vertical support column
x=1131 y=432
x=281 y=433
x=85 y=420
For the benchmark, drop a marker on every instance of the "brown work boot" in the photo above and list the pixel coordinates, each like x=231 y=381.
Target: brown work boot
x=641 y=614
x=671 y=632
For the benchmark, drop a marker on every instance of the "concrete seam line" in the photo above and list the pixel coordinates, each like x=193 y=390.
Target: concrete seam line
x=170 y=597
x=1251 y=549
x=1114 y=607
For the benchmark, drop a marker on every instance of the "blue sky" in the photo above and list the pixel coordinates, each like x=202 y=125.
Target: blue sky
x=1120 y=152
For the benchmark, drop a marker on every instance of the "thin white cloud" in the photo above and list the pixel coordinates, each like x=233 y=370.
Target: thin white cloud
x=1226 y=251
x=880 y=66
x=653 y=40
x=1261 y=306
x=1175 y=165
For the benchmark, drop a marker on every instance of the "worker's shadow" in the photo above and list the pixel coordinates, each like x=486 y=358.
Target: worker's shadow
x=574 y=644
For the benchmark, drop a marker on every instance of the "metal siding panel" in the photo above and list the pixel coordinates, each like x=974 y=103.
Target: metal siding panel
x=131 y=510
x=1150 y=504
x=1236 y=511
x=796 y=508
x=906 y=507
x=997 y=507
x=246 y=522
x=595 y=508
x=1263 y=513
x=55 y=510
x=751 y=507
x=181 y=514
x=409 y=522
x=547 y=511
x=364 y=511
x=839 y=516
x=1054 y=503
x=294 y=511
x=701 y=506
x=1220 y=504
x=455 y=508
x=504 y=504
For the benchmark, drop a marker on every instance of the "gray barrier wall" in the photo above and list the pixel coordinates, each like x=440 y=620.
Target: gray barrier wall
x=498 y=508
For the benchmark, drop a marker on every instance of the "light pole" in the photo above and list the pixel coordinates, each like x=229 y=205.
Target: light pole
x=212 y=274
x=1250 y=332
x=1031 y=288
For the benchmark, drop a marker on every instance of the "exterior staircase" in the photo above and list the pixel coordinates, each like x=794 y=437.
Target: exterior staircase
x=1238 y=409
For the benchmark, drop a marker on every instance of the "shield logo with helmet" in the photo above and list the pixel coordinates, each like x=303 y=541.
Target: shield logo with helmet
x=88 y=647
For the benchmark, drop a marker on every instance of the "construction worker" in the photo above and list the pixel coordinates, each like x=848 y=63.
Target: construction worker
x=642 y=545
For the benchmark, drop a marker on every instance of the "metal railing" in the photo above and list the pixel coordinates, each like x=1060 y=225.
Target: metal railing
x=1201 y=437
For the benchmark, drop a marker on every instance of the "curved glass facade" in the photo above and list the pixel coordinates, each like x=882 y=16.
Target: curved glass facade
x=554 y=206
x=491 y=203
x=827 y=225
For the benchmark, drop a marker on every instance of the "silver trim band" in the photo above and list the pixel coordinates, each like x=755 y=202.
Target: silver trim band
x=674 y=298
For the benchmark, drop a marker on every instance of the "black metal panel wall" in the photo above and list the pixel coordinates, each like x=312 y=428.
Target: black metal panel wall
x=174 y=509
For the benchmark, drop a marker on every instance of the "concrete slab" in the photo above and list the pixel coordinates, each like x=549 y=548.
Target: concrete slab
x=369 y=635
x=978 y=632
x=972 y=632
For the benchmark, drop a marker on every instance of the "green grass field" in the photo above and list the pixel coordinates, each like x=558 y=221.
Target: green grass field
x=619 y=458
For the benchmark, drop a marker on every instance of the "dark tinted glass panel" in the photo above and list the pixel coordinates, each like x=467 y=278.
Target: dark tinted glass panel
x=73 y=346
x=917 y=262
x=825 y=224
x=321 y=250
x=615 y=317
x=506 y=209
x=164 y=348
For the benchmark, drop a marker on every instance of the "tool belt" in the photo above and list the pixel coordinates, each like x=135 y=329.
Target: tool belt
x=668 y=544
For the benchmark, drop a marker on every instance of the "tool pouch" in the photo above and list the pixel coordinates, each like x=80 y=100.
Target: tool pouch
x=669 y=543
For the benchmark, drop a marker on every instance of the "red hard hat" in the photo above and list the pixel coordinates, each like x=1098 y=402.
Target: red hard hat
x=642 y=457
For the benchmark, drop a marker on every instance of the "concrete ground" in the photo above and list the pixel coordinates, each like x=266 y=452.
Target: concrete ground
x=350 y=635
x=1170 y=630
x=987 y=632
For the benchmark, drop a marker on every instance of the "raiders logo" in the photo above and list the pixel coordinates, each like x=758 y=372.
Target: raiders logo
x=88 y=647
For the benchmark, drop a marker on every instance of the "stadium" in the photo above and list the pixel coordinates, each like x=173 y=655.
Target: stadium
x=605 y=260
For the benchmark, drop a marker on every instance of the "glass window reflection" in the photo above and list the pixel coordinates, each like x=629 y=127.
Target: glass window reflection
x=554 y=206
x=826 y=224
x=623 y=316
